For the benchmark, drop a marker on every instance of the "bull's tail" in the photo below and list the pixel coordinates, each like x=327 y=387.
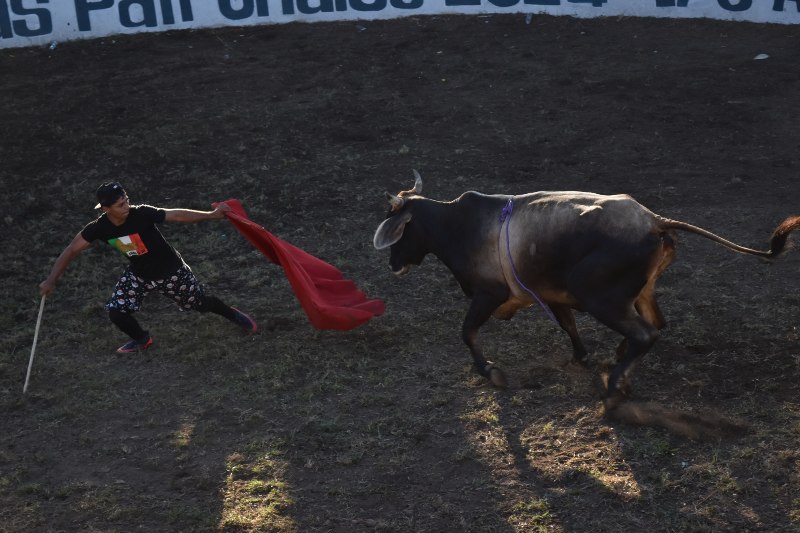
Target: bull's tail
x=776 y=244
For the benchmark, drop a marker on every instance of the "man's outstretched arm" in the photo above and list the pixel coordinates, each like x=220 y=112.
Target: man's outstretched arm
x=78 y=245
x=190 y=215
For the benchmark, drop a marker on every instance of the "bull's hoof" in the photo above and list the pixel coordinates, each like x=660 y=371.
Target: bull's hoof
x=493 y=374
x=626 y=389
x=576 y=365
x=497 y=377
x=614 y=400
x=617 y=395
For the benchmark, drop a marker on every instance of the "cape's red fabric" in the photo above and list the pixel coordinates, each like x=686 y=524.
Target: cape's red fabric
x=329 y=300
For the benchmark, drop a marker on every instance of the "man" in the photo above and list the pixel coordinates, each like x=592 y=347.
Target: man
x=154 y=263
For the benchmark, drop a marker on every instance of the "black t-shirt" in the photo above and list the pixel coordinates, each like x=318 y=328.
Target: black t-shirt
x=139 y=240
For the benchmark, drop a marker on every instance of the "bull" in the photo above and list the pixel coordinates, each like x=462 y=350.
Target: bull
x=566 y=250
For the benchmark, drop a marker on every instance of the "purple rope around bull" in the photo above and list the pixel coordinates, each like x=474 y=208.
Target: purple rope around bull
x=507 y=210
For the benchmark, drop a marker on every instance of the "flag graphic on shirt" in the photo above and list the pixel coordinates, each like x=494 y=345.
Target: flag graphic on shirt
x=130 y=245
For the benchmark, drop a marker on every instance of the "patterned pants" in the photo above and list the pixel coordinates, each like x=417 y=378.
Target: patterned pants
x=181 y=286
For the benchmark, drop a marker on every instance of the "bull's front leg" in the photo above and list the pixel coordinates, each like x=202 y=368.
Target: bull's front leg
x=566 y=319
x=482 y=307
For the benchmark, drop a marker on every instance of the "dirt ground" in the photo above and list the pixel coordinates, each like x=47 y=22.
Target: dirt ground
x=386 y=427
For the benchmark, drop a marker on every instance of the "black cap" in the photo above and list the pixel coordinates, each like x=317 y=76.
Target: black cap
x=108 y=193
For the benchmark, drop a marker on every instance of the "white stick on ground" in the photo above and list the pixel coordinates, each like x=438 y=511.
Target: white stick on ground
x=33 y=348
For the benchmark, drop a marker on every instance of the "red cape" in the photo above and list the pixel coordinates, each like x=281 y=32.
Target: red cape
x=329 y=300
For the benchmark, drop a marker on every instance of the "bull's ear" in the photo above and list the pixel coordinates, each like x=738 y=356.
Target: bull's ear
x=417 y=183
x=390 y=231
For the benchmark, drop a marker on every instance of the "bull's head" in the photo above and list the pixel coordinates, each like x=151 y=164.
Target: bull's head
x=397 y=233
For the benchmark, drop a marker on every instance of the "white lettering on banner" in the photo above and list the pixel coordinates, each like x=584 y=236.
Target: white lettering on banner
x=32 y=22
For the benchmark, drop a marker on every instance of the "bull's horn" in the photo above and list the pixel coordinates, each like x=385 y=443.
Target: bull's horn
x=417 y=183
x=395 y=201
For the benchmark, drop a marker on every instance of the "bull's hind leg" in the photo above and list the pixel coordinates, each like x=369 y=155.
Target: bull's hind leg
x=646 y=304
x=639 y=337
x=482 y=306
x=610 y=284
x=648 y=309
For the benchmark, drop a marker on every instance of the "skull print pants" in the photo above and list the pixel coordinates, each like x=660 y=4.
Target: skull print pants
x=181 y=286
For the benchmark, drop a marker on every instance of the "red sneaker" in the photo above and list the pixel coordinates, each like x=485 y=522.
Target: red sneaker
x=133 y=346
x=244 y=321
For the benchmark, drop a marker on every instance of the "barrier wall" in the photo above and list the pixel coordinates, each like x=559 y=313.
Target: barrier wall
x=40 y=22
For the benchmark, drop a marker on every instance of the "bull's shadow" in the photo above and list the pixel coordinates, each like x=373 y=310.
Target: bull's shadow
x=645 y=446
x=638 y=410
